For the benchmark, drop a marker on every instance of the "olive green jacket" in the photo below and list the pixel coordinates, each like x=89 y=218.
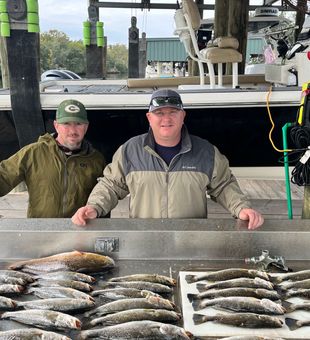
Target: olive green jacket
x=161 y=191
x=58 y=185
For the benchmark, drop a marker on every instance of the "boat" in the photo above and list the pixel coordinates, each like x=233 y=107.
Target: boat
x=234 y=119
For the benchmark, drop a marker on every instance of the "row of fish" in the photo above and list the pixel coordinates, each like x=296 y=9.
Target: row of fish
x=129 y=307
x=254 y=297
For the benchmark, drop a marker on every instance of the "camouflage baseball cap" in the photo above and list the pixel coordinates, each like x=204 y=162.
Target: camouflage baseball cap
x=71 y=111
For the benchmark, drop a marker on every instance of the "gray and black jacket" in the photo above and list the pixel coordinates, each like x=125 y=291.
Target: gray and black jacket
x=160 y=191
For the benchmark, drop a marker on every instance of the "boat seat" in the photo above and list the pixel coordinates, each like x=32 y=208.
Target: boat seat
x=187 y=22
x=222 y=51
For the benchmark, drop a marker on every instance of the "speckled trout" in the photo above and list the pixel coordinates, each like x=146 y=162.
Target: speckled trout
x=138 y=330
x=246 y=320
x=227 y=274
x=31 y=334
x=77 y=261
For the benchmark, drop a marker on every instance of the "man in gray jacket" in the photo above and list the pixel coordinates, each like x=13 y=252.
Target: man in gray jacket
x=168 y=172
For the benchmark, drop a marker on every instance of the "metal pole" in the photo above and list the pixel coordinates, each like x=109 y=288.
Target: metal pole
x=286 y=169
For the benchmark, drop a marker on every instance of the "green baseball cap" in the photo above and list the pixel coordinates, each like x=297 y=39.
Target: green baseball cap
x=71 y=111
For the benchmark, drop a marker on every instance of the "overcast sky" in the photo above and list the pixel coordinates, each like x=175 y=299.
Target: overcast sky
x=68 y=16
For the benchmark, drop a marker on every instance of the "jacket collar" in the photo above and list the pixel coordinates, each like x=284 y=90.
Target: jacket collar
x=186 y=143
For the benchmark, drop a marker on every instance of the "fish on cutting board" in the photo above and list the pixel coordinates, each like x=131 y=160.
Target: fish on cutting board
x=242 y=282
x=227 y=274
x=259 y=293
x=246 y=320
x=241 y=304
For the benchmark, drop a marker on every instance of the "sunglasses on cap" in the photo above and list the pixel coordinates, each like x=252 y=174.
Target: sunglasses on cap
x=166 y=101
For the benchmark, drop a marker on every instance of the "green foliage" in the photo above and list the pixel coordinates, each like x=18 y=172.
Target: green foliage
x=57 y=51
x=117 y=58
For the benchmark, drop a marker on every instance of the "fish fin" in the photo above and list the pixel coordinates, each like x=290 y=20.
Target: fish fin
x=292 y=324
x=275 y=279
x=282 y=292
x=201 y=287
x=190 y=278
x=191 y=297
x=288 y=306
x=199 y=319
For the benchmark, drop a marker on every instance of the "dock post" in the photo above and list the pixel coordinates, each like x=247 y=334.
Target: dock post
x=94 y=50
x=133 y=49
x=306 y=207
x=142 y=55
x=22 y=42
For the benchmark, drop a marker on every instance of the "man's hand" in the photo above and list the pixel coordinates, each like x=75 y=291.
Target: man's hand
x=254 y=217
x=84 y=214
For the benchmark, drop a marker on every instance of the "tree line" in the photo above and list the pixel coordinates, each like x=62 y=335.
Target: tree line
x=57 y=51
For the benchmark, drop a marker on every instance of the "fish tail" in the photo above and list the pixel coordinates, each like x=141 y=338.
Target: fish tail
x=275 y=279
x=201 y=287
x=288 y=306
x=190 y=278
x=191 y=297
x=292 y=324
x=199 y=319
x=196 y=304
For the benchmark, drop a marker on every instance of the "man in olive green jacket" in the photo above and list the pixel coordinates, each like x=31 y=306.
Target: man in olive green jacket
x=60 y=170
x=168 y=172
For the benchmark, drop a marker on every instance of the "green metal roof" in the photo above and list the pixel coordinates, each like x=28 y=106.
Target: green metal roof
x=165 y=49
x=254 y=46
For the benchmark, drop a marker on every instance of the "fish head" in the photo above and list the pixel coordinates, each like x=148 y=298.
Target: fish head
x=273 y=307
x=171 y=330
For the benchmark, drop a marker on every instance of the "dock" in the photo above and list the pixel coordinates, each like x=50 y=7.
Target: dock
x=267 y=194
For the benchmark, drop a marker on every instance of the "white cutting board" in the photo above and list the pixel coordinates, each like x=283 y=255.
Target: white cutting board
x=220 y=330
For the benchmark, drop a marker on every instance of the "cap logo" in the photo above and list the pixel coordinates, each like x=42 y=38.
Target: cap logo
x=72 y=108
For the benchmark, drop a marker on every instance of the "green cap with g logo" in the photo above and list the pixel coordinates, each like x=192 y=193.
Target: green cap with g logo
x=71 y=111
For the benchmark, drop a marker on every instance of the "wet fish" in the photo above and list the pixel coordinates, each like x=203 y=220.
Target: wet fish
x=142 y=285
x=161 y=315
x=156 y=278
x=241 y=304
x=14 y=273
x=294 y=276
x=122 y=293
x=294 y=324
x=7 y=303
x=13 y=281
x=138 y=330
x=304 y=284
x=66 y=275
x=58 y=292
x=125 y=304
x=240 y=282
x=78 y=285
x=11 y=289
x=44 y=319
x=246 y=320
x=31 y=334
x=59 y=304
x=76 y=261
x=227 y=274
x=251 y=292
